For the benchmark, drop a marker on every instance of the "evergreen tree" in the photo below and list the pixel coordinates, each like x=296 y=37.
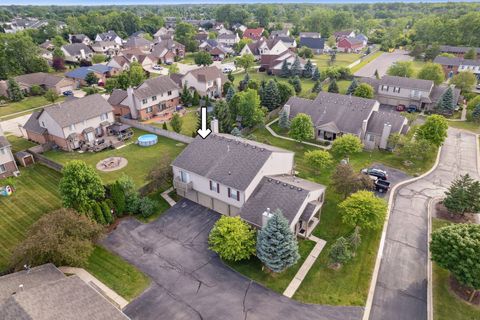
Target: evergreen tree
x=97 y=213
x=340 y=252
x=283 y=121
x=316 y=74
x=308 y=69
x=185 y=96
x=230 y=93
x=271 y=96
x=118 y=197
x=297 y=84
x=476 y=113
x=377 y=76
x=164 y=126
x=195 y=98
x=91 y=78
x=222 y=113
x=277 y=246
x=236 y=132
x=14 y=90
x=352 y=87
x=285 y=71
x=445 y=104
x=107 y=214
x=333 y=87
x=317 y=87
x=296 y=69
x=244 y=83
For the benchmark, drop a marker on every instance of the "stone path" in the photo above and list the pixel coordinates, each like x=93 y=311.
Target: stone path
x=167 y=198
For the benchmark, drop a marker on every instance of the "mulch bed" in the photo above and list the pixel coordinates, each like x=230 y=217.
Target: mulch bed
x=442 y=213
x=463 y=292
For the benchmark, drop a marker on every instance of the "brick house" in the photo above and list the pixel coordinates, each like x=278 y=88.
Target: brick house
x=253 y=34
x=350 y=45
x=458 y=51
x=452 y=66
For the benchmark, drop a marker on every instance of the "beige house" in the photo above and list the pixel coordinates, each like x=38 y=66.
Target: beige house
x=262 y=47
x=235 y=176
x=108 y=48
x=207 y=81
x=77 y=52
x=44 y=80
x=8 y=166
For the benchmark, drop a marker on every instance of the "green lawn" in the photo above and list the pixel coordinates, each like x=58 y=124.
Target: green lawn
x=277 y=282
x=367 y=60
x=189 y=123
x=140 y=159
x=19 y=144
x=446 y=305
x=36 y=193
x=24 y=106
x=162 y=206
x=465 y=125
x=189 y=59
x=116 y=273
x=342 y=60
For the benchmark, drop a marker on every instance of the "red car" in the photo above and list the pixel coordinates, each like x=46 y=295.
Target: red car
x=400 y=107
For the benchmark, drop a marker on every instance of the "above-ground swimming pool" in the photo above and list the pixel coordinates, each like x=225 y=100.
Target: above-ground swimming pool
x=147 y=140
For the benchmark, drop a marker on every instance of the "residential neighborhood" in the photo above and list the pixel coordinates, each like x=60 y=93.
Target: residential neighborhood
x=240 y=160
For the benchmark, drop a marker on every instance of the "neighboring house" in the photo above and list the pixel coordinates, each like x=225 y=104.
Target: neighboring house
x=108 y=48
x=458 y=51
x=156 y=96
x=138 y=43
x=272 y=64
x=72 y=123
x=207 y=81
x=279 y=33
x=253 y=34
x=363 y=38
x=201 y=36
x=344 y=34
x=101 y=71
x=350 y=45
x=146 y=60
x=288 y=41
x=264 y=47
x=208 y=45
x=240 y=177
x=317 y=45
x=228 y=40
x=238 y=26
x=168 y=51
x=423 y=94
x=77 y=52
x=45 y=292
x=164 y=33
x=45 y=81
x=8 y=166
x=221 y=30
x=452 y=66
x=119 y=63
x=46 y=54
x=79 y=38
x=309 y=35
x=220 y=52
x=20 y=24
x=47 y=45
x=334 y=115
x=109 y=36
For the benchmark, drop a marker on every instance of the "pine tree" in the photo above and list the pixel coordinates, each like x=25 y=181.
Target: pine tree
x=297 y=84
x=285 y=71
x=230 y=93
x=476 y=113
x=333 y=87
x=296 y=69
x=14 y=90
x=340 y=251
x=244 y=83
x=118 y=197
x=164 y=126
x=107 y=214
x=283 y=121
x=236 y=132
x=271 y=96
x=185 y=97
x=98 y=213
x=308 y=69
x=377 y=76
x=352 y=87
x=317 y=87
x=195 y=98
x=277 y=246
x=445 y=104
x=316 y=74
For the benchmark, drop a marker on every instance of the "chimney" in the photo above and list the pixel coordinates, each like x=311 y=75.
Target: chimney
x=214 y=125
x=266 y=216
x=364 y=128
x=82 y=54
x=132 y=103
x=387 y=128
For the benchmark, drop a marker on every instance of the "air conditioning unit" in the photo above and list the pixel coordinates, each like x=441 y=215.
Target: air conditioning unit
x=16 y=173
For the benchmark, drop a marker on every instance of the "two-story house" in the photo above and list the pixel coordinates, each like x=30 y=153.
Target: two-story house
x=228 y=40
x=72 y=123
x=79 y=38
x=334 y=115
x=168 y=51
x=138 y=43
x=262 y=47
x=272 y=63
x=235 y=176
x=156 y=96
x=452 y=66
x=253 y=34
x=8 y=166
x=77 y=52
x=109 y=36
x=207 y=81
x=108 y=48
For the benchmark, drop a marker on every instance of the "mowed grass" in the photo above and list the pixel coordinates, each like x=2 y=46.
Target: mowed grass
x=366 y=61
x=24 y=106
x=19 y=144
x=36 y=193
x=116 y=273
x=189 y=123
x=341 y=60
x=141 y=160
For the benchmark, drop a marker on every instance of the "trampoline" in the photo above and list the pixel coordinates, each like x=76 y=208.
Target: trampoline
x=147 y=140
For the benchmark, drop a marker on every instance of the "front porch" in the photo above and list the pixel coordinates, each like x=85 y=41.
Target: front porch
x=307 y=228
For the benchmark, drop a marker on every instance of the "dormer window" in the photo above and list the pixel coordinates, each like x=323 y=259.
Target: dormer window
x=384 y=88
x=169 y=93
x=396 y=89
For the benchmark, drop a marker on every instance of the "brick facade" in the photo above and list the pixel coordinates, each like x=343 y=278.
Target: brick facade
x=10 y=167
x=169 y=106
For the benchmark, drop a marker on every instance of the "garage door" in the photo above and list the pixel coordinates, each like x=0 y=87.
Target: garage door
x=66 y=88
x=205 y=200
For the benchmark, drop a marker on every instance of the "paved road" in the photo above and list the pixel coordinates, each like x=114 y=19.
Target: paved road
x=401 y=289
x=382 y=63
x=190 y=282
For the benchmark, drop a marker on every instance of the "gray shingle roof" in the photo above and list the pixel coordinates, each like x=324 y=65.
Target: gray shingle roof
x=136 y=42
x=33 y=125
x=345 y=112
x=108 y=36
x=205 y=74
x=410 y=83
x=155 y=86
x=312 y=43
x=456 y=61
x=4 y=142
x=457 y=49
x=39 y=78
x=74 y=48
x=117 y=96
x=380 y=118
x=438 y=91
x=308 y=211
x=75 y=111
x=226 y=159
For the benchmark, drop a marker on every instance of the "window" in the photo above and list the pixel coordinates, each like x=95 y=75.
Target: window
x=215 y=186
x=371 y=137
x=43 y=124
x=149 y=110
x=169 y=93
x=184 y=177
x=154 y=98
x=384 y=88
x=72 y=127
x=144 y=101
x=396 y=89
x=2 y=168
x=234 y=194
x=104 y=116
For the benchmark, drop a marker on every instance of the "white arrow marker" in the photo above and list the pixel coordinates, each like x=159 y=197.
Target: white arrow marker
x=204 y=131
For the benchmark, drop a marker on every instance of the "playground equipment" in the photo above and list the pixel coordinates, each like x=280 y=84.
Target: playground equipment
x=6 y=191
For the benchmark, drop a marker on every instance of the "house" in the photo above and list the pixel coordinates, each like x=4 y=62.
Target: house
x=79 y=38
x=310 y=35
x=452 y=66
x=317 y=45
x=156 y=96
x=44 y=292
x=220 y=52
x=458 y=51
x=272 y=64
x=262 y=47
x=168 y=51
x=201 y=36
x=208 y=45
x=363 y=38
x=228 y=40
x=71 y=124
x=350 y=45
x=288 y=41
x=47 y=45
x=119 y=63
x=334 y=115
x=146 y=60
x=45 y=81
x=423 y=94
x=253 y=34
x=240 y=177
x=138 y=43
x=8 y=166
x=344 y=34
x=207 y=81
x=238 y=26
x=109 y=36
x=164 y=33
x=108 y=48
x=101 y=71
x=222 y=30
x=20 y=24
x=279 y=33
x=77 y=52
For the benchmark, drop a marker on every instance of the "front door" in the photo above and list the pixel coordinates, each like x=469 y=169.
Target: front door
x=90 y=136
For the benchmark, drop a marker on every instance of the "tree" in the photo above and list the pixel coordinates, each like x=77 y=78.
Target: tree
x=185 y=34
x=80 y=185
x=340 y=252
x=232 y=239
x=476 y=114
x=432 y=52
x=62 y=237
x=433 y=130
x=285 y=90
x=301 y=127
x=203 y=58
x=176 y=123
x=351 y=88
x=464 y=81
x=271 y=96
x=98 y=58
x=231 y=77
x=463 y=196
x=364 y=90
x=36 y=90
x=230 y=93
x=136 y=74
x=246 y=61
x=244 y=83
x=363 y=209
x=97 y=213
x=346 y=145
x=318 y=159
x=277 y=246
x=195 y=98
x=283 y=121
x=185 y=96
x=377 y=76
x=333 y=87
x=106 y=212
x=58 y=63
x=445 y=103
x=316 y=74
x=91 y=78
x=415 y=150
x=432 y=71
x=147 y=207
x=297 y=84
x=285 y=71
x=296 y=68
x=332 y=41
x=236 y=132
x=222 y=113
x=346 y=181
x=51 y=95
x=173 y=68
x=401 y=69
x=457 y=249
x=305 y=53
x=14 y=90
x=247 y=106
x=308 y=69
x=317 y=87
x=118 y=197
x=471 y=54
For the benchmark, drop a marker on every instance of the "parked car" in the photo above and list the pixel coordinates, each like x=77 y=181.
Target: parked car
x=68 y=93
x=157 y=67
x=227 y=69
x=400 y=107
x=412 y=108
x=382 y=186
x=379 y=173
x=169 y=63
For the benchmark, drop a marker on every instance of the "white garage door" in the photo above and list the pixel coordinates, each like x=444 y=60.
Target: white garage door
x=66 y=88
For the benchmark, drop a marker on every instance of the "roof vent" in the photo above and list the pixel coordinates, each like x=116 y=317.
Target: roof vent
x=292 y=187
x=299 y=189
x=278 y=182
x=229 y=172
x=284 y=184
x=269 y=179
x=254 y=147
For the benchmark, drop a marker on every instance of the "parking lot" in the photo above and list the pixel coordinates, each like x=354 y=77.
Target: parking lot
x=382 y=63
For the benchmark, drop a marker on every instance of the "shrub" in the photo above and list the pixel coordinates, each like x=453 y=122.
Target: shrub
x=118 y=197
x=340 y=252
x=147 y=207
x=107 y=214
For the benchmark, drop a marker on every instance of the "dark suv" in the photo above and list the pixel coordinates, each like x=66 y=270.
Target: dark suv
x=379 y=173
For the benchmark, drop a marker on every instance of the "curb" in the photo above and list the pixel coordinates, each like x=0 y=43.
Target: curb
x=429 y=261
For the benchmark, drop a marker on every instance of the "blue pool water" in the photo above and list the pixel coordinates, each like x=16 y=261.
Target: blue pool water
x=147 y=140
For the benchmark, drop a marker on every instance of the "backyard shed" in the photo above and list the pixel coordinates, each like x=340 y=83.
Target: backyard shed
x=24 y=158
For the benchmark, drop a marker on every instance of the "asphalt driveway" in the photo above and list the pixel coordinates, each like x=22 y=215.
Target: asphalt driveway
x=190 y=282
x=382 y=63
